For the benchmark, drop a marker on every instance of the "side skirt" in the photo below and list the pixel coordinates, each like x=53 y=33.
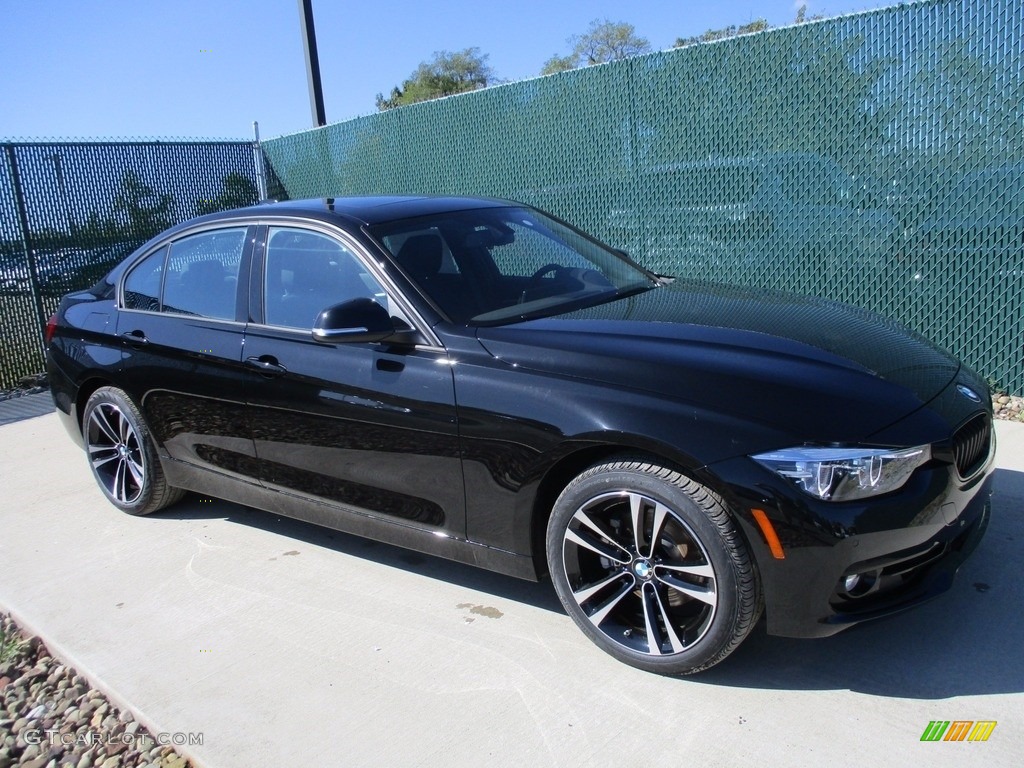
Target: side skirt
x=348 y=520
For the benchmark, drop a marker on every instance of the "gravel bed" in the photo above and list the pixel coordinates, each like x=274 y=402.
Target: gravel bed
x=1008 y=407
x=50 y=717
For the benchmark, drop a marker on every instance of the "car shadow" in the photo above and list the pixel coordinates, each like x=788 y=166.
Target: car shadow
x=538 y=595
x=964 y=643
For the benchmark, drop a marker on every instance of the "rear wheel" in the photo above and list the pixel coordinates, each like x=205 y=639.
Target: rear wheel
x=122 y=456
x=651 y=567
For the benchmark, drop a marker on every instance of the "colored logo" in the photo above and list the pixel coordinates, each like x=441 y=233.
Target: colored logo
x=969 y=393
x=958 y=730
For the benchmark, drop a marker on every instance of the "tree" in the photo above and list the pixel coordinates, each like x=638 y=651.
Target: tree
x=557 y=64
x=604 y=41
x=148 y=212
x=801 y=15
x=758 y=25
x=237 y=192
x=446 y=74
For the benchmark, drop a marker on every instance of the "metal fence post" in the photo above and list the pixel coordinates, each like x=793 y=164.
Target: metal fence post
x=30 y=258
x=261 y=168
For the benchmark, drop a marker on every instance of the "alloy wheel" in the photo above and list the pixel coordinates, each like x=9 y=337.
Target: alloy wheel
x=116 y=453
x=639 y=573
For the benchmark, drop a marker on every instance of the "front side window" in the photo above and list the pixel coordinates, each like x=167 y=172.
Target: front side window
x=202 y=274
x=307 y=272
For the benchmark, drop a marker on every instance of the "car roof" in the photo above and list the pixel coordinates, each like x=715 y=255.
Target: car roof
x=366 y=210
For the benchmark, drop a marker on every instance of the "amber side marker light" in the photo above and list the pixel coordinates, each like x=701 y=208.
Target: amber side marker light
x=769 y=534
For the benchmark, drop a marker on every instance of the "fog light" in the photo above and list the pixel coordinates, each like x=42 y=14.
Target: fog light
x=859 y=584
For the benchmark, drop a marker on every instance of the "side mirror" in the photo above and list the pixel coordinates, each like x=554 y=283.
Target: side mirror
x=356 y=321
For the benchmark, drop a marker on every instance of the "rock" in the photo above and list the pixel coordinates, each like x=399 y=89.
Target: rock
x=116 y=747
x=31 y=752
x=29 y=675
x=85 y=761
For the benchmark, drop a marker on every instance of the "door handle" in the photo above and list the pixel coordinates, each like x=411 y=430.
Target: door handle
x=266 y=364
x=135 y=338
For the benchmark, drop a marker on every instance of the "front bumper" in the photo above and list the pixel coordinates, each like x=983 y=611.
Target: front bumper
x=907 y=546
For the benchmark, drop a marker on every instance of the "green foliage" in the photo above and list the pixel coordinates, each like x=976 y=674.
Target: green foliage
x=236 y=192
x=603 y=41
x=446 y=74
x=801 y=15
x=11 y=644
x=557 y=64
x=147 y=212
x=758 y=25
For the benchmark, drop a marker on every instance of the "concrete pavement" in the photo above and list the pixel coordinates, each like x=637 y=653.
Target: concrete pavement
x=283 y=644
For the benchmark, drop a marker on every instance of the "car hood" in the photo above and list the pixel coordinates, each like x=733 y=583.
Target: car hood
x=817 y=369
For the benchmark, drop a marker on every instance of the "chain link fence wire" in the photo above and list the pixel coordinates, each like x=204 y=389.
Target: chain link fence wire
x=876 y=159
x=69 y=211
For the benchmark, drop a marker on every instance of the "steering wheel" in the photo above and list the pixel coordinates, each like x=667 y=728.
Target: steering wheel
x=552 y=267
x=533 y=282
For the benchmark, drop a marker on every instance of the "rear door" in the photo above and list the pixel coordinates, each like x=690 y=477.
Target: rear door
x=182 y=325
x=364 y=429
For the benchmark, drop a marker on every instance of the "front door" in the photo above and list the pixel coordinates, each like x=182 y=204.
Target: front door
x=363 y=428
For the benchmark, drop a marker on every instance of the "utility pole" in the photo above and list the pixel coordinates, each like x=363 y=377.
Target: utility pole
x=316 y=92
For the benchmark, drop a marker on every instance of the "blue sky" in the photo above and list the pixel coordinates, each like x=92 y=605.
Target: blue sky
x=93 y=69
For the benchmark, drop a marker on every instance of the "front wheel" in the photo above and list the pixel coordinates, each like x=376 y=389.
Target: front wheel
x=650 y=565
x=121 y=454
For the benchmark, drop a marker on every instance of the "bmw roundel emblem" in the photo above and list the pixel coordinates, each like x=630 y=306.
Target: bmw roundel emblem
x=969 y=393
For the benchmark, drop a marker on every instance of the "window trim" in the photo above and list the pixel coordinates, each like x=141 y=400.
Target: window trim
x=244 y=270
x=356 y=248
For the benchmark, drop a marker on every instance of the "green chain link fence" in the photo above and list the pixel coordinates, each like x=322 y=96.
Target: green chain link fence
x=69 y=211
x=877 y=159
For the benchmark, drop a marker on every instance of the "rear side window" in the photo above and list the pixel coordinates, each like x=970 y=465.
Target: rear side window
x=202 y=274
x=142 y=286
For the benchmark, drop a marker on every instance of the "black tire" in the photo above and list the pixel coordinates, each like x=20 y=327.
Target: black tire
x=675 y=603
x=122 y=456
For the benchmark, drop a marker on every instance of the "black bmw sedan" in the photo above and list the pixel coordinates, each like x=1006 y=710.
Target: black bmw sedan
x=477 y=380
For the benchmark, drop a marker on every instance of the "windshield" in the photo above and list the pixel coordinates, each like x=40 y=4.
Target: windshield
x=496 y=265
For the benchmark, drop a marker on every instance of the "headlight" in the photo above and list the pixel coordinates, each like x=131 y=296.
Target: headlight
x=843 y=474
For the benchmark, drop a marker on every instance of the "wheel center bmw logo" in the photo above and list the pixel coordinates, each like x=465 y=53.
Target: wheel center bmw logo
x=643 y=569
x=969 y=393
